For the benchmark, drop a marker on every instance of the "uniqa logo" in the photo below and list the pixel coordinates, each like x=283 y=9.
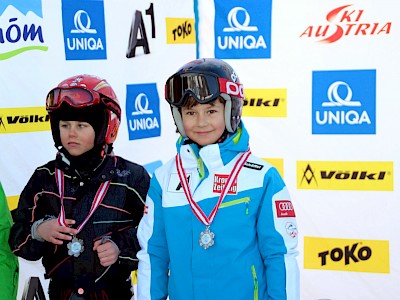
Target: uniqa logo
x=240 y=41
x=351 y=117
x=82 y=25
x=146 y=122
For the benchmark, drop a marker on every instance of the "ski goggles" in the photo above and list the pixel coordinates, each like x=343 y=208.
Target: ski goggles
x=203 y=87
x=79 y=98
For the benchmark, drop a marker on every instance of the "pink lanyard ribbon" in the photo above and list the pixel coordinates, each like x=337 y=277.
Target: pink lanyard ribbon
x=101 y=192
x=198 y=212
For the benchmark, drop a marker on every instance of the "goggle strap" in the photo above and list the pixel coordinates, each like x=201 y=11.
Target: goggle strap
x=231 y=88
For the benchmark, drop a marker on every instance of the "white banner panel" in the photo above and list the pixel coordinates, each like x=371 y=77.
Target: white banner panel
x=322 y=92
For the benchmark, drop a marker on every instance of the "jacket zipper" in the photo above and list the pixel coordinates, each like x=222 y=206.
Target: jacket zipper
x=253 y=271
x=245 y=200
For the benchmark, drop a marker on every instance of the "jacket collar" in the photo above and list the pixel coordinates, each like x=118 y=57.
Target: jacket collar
x=215 y=155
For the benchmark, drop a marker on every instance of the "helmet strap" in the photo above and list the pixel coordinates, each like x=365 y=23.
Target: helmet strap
x=228 y=112
x=176 y=113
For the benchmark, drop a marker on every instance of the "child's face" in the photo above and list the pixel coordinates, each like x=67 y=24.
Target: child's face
x=204 y=123
x=77 y=137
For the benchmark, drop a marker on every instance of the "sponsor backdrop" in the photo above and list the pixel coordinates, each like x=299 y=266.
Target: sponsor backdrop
x=322 y=87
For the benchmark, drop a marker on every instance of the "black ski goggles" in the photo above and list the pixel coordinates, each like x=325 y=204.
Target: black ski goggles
x=203 y=87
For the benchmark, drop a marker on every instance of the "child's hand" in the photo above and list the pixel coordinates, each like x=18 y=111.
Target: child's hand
x=54 y=233
x=107 y=252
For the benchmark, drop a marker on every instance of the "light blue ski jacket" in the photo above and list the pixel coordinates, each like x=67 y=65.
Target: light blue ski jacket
x=254 y=254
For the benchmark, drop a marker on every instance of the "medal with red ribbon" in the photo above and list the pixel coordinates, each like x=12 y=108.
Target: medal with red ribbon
x=207 y=236
x=75 y=247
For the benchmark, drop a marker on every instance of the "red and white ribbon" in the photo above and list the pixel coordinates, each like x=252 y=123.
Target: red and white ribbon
x=198 y=212
x=101 y=192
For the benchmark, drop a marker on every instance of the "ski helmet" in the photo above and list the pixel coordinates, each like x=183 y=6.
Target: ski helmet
x=89 y=98
x=205 y=80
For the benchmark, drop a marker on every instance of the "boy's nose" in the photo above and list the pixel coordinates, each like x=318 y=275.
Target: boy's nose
x=202 y=120
x=72 y=131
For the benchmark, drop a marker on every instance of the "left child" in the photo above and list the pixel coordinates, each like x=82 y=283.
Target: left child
x=79 y=212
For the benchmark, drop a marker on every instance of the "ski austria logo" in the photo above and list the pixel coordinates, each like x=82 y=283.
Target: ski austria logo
x=20 y=27
x=143 y=111
x=345 y=21
x=344 y=102
x=84 y=30
x=243 y=29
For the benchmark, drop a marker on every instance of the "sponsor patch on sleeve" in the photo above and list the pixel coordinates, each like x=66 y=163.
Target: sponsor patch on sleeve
x=284 y=209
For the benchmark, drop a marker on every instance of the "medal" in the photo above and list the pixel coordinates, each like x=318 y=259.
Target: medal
x=75 y=247
x=206 y=238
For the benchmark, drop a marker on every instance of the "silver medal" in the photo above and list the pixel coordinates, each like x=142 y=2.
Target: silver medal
x=75 y=247
x=206 y=238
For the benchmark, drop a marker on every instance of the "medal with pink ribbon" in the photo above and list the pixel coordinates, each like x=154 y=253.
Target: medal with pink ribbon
x=75 y=246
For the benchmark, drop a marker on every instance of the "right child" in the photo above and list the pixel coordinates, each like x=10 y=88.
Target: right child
x=219 y=222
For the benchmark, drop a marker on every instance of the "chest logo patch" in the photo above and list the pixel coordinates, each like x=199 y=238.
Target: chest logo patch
x=219 y=183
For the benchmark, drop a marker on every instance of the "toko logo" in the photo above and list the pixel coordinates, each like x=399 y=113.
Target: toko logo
x=346 y=255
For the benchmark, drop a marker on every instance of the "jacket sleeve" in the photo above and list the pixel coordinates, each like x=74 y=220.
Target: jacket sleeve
x=126 y=240
x=27 y=212
x=153 y=257
x=8 y=261
x=277 y=234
